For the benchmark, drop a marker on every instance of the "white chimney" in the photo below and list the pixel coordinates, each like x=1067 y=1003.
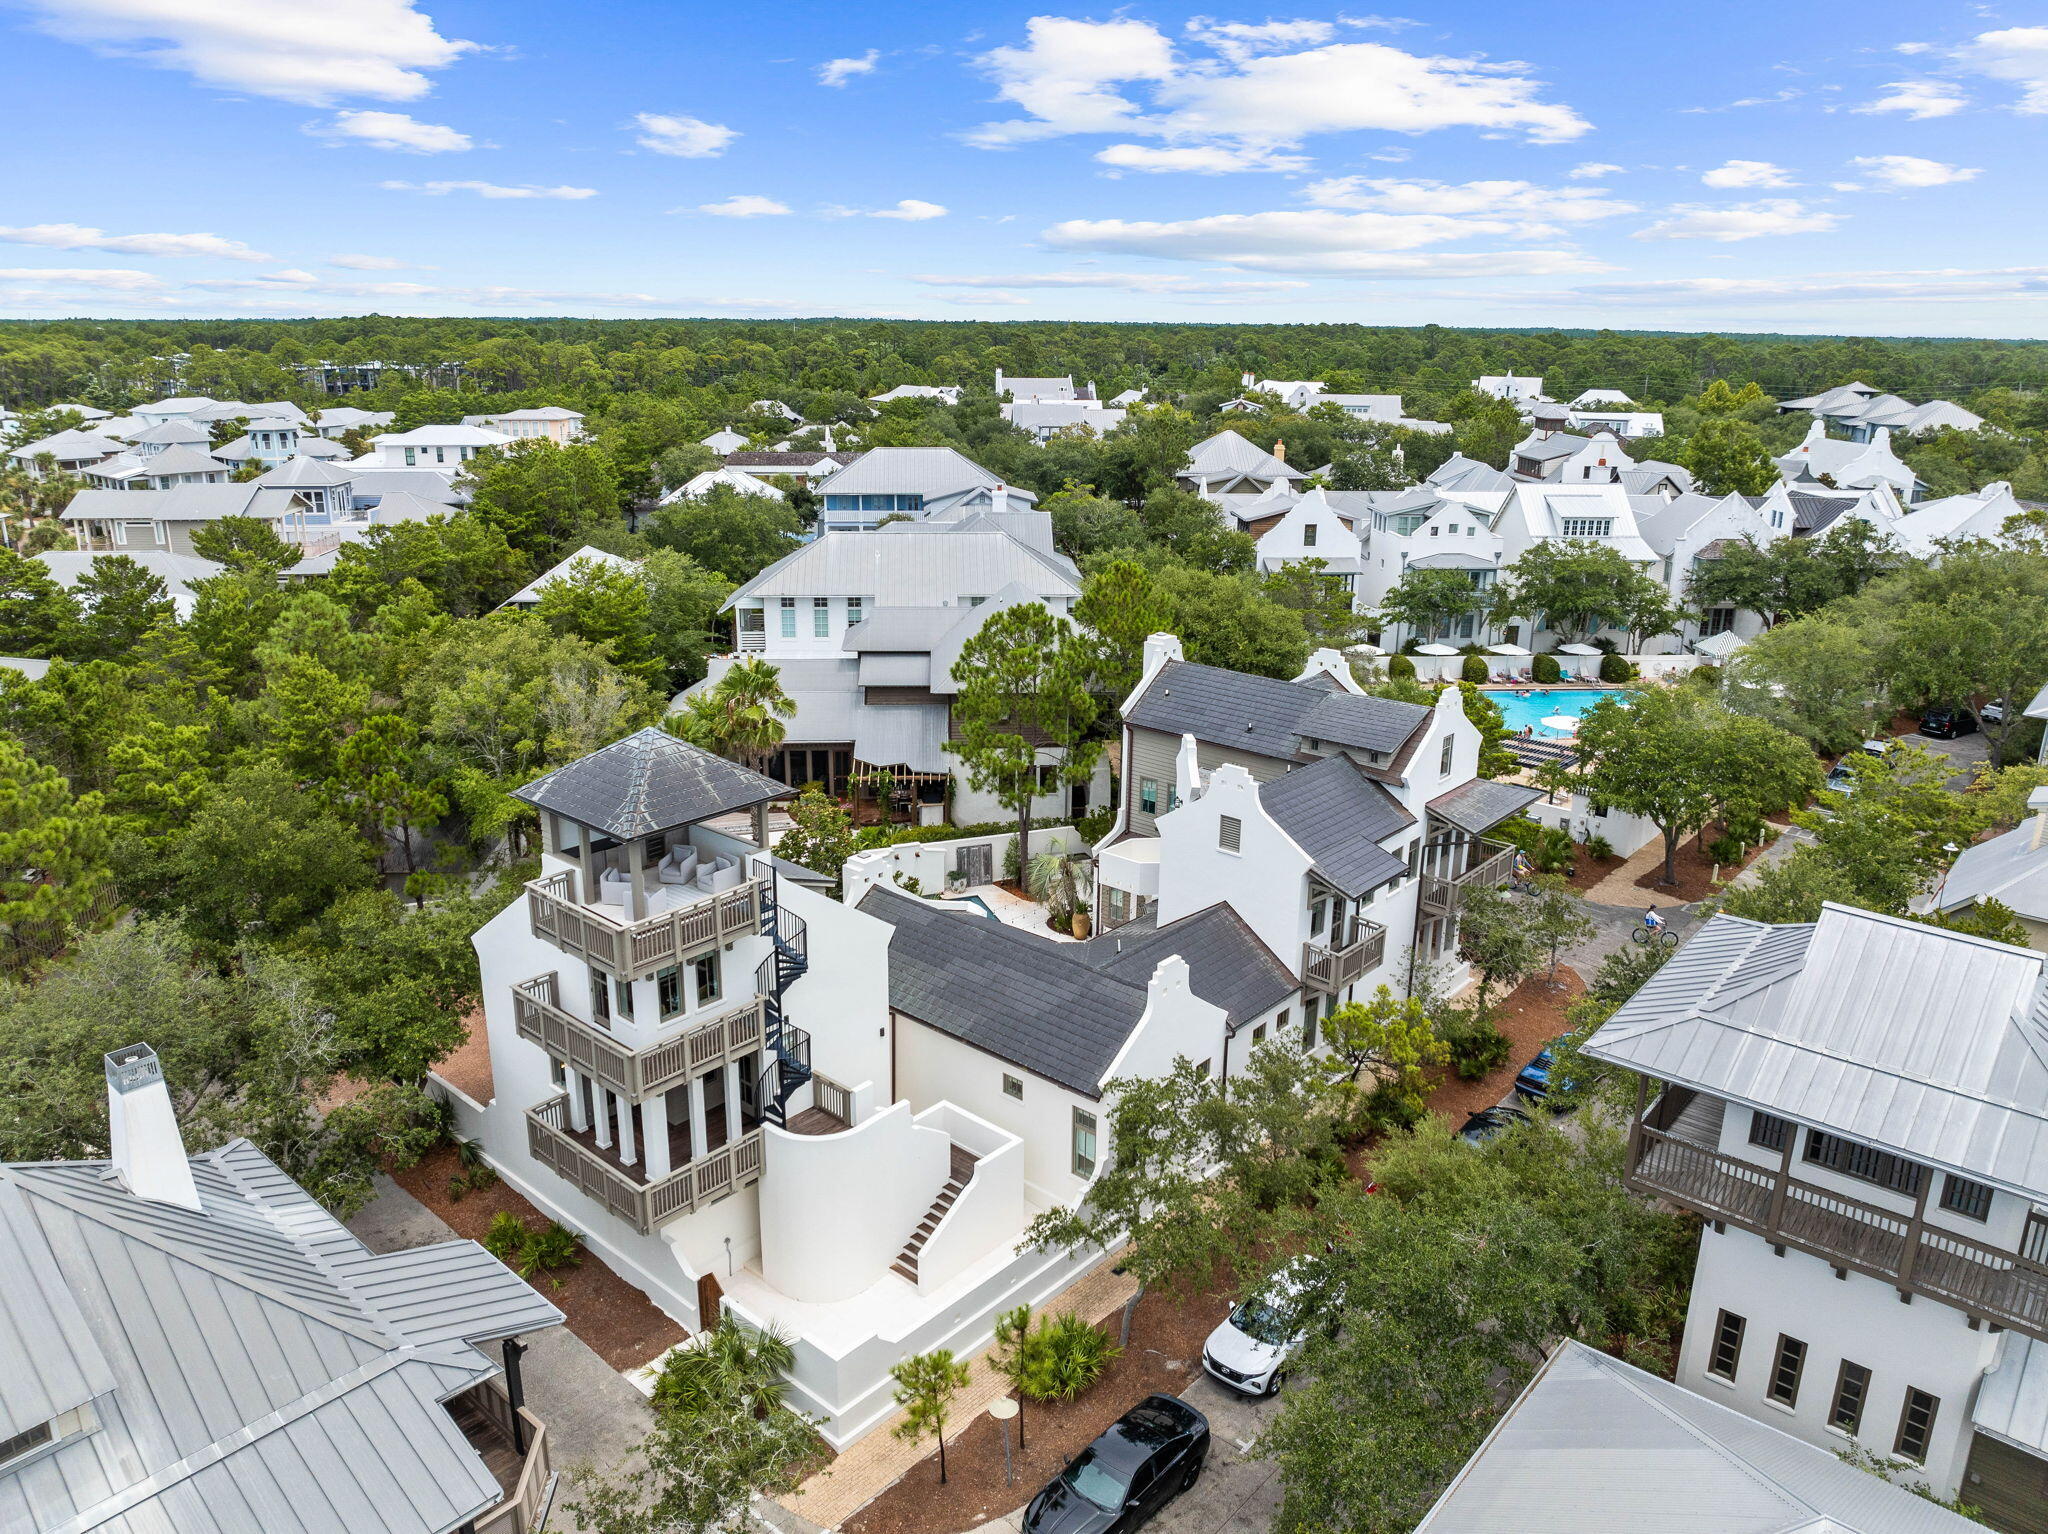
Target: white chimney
x=2037 y=801
x=1187 y=770
x=148 y=1152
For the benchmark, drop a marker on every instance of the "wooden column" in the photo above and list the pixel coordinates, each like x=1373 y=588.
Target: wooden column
x=1913 y=1230
x=628 y=1141
x=1635 y=1122
x=1784 y=1183
x=700 y=1134
x=604 y=1103
x=579 y=1108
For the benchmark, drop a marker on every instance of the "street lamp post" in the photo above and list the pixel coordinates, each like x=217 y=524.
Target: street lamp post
x=1002 y=1408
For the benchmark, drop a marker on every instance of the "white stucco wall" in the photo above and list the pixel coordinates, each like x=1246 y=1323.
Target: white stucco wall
x=989 y=1213
x=931 y=863
x=1264 y=880
x=836 y=1209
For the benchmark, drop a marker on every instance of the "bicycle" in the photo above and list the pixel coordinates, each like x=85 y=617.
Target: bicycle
x=1654 y=937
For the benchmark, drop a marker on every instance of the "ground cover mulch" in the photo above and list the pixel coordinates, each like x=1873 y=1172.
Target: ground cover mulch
x=1695 y=872
x=621 y=1325
x=1164 y=1355
x=1532 y=1015
x=1587 y=870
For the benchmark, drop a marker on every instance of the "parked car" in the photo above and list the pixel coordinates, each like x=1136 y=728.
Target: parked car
x=1149 y=1455
x=1944 y=723
x=1876 y=747
x=1248 y=1352
x=1532 y=1082
x=1841 y=778
x=1992 y=713
x=1488 y=1122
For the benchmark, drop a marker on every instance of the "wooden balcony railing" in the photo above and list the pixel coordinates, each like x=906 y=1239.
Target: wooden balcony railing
x=634 y=950
x=1331 y=969
x=590 y=1051
x=1441 y=893
x=830 y=1096
x=642 y=1204
x=519 y=1513
x=2010 y=1288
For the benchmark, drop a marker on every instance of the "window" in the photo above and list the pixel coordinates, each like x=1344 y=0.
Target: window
x=705 y=969
x=1959 y=1195
x=1862 y=1161
x=854 y=611
x=625 y=995
x=668 y=992
x=601 y=997
x=1308 y=1027
x=1308 y=536
x=1013 y=1086
x=1229 y=832
x=1587 y=527
x=1148 y=795
x=1785 y=1370
x=1726 y=1352
x=1768 y=1131
x=1279 y=1022
x=1443 y=765
x=1852 y=1389
x=1777 y=519
x=25 y=1441
x=1259 y=1034
x=1202 y=1070
x=1084 y=1144
x=789 y=617
x=1916 y=1426
x=821 y=617
x=1116 y=905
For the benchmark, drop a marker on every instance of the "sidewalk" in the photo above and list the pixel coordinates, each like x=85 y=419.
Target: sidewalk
x=870 y=1466
x=1619 y=887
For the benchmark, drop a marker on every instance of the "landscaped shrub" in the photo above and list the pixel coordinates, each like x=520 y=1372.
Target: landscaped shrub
x=1475 y=669
x=527 y=1251
x=1546 y=669
x=1552 y=851
x=1614 y=669
x=1066 y=1355
x=1598 y=846
x=1400 y=668
x=1476 y=1046
x=1726 y=849
x=1705 y=678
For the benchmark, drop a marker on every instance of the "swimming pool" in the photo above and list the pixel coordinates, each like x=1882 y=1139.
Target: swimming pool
x=1528 y=712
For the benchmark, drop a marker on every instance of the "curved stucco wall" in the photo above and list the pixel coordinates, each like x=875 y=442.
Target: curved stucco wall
x=836 y=1209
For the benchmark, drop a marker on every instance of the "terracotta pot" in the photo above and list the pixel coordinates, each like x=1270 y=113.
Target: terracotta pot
x=1081 y=924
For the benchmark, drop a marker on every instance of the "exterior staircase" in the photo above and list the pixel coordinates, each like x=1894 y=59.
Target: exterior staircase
x=958 y=1176
x=788 y=1046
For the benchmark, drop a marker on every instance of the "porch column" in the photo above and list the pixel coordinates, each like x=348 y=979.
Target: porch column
x=654 y=1131
x=579 y=1109
x=732 y=1100
x=628 y=1152
x=700 y=1136
x=604 y=1116
x=761 y=826
x=636 y=877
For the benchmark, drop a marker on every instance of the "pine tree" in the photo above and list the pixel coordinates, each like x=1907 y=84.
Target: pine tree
x=53 y=848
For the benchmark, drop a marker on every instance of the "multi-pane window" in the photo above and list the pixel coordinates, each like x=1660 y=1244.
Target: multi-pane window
x=1768 y=1130
x=668 y=992
x=1308 y=536
x=1229 y=832
x=705 y=970
x=789 y=617
x=600 y=997
x=821 y=617
x=1084 y=1144
x=1852 y=1390
x=1279 y=1022
x=1013 y=1086
x=1852 y=1159
x=1916 y=1426
x=855 y=610
x=23 y=1442
x=1148 y=795
x=1443 y=765
x=1961 y=1196
x=1786 y=1368
x=624 y=988
x=1588 y=527
x=1726 y=1352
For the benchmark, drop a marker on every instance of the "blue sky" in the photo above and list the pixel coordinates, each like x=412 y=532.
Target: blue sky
x=1868 y=168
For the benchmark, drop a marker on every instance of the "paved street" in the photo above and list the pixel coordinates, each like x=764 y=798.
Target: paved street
x=1964 y=753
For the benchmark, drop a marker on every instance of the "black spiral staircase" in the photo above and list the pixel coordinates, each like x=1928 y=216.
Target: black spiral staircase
x=788 y=1047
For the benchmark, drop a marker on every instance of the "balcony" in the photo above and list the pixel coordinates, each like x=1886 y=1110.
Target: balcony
x=485 y=1416
x=2009 y=1288
x=1441 y=894
x=1333 y=968
x=591 y=1051
x=634 y=950
x=625 y=1190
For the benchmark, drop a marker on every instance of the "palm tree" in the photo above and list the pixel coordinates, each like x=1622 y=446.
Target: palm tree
x=735 y=1364
x=741 y=716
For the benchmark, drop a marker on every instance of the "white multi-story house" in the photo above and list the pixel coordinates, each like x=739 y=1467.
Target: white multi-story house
x=1306 y=394
x=1507 y=386
x=1858 y=1107
x=1857 y=465
x=915 y=482
x=1049 y=390
x=750 y=1099
x=1860 y=411
x=1230 y=471
x=173 y=452
x=444 y=449
x=945 y=394
x=801 y=466
x=337 y=420
x=193 y=1343
x=1339 y=826
x=864 y=629
x=1315 y=526
x=553 y=422
x=1046 y=419
x=67 y=452
x=1624 y=423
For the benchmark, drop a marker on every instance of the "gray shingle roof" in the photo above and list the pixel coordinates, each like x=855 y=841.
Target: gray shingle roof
x=1595 y=1446
x=649 y=782
x=1227 y=964
x=252 y=1366
x=1338 y=816
x=1267 y=716
x=1482 y=804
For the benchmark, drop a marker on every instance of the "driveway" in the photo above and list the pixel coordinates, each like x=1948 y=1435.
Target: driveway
x=1965 y=754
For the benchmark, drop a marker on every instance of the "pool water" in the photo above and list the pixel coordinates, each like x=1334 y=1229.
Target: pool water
x=1528 y=713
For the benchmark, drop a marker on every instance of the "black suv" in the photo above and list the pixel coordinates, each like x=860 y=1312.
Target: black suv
x=1150 y=1454
x=1944 y=723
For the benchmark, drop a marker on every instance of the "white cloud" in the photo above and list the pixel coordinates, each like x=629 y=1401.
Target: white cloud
x=1346 y=244
x=689 y=138
x=1789 y=93
x=374 y=264
x=490 y=189
x=910 y=210
x=1197 y=159
x=81 y=237
x=1135 y=282
x=988 y=300
x=744 y=205
x=111 y=278
x=1525 y=207
x=1748 y=173
x=1918 y=99
x=1957 y=285
x=311 y=54
x=1906 y=170
x=2016 y=54
x=839 y=71
x=1739 y=221
x=1593 y=170
x=392 y=130
x=1072 y=76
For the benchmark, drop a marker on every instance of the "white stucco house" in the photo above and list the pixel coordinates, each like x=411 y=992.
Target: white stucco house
x=442 y=448
x=555 y=423
x=1849 y=465
x=945 y=394
x=916 y=482
x=1507 y=386
x=1859 y=411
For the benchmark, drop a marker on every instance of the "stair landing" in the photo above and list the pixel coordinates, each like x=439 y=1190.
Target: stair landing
x=958 y=1175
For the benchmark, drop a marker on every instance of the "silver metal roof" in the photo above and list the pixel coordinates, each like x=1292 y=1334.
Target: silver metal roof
x=1595 y=1446
x=1928 y=1043
x=910 y=734
x=2012 y=1401
x=926 y=471
x=910 y=569
x=2011 y=869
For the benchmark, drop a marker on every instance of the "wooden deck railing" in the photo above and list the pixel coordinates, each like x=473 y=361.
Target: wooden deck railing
x=830 y=1096
x=644 y=1205
x=634 y=950
x=590 y=1051
x=519 y=1513
x=1441 y=893
x=2010 y=1288
x=1331 y=969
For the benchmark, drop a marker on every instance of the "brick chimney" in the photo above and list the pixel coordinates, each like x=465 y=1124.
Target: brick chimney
x=148 y=1153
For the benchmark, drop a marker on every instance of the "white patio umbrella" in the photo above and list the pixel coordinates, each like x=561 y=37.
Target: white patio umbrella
x=1577 y=649
x=1563 y=724
x=1505 y=649
x=1435 y=649
x=1366 y=648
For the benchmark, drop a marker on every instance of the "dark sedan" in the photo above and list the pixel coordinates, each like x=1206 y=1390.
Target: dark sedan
x=1150 y=1454
x=1488 y=1122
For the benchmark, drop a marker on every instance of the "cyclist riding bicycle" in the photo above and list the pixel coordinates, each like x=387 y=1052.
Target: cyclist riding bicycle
x=1652 y=922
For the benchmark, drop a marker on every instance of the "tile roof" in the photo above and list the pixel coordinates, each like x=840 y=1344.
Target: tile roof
x=1481 y=804
x=1228 y=966
x=1266 y=716
x=649 y=782
x=1339 y=816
